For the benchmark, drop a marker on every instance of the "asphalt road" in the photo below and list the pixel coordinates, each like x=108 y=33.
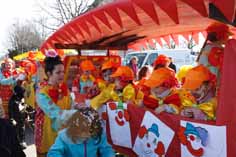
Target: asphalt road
x=30 y=150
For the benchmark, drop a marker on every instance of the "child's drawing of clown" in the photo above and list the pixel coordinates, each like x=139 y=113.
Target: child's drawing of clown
x=150 y=144
x=154 y=137
x=194 y=139
x=119 y=117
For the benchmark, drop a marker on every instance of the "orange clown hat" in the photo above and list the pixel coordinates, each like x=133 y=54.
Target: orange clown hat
x=108 y=65
x=222 y=30
x=124 y=72
x=196 y=76
x=87 y=65
x=161 y=59
x=160 y=76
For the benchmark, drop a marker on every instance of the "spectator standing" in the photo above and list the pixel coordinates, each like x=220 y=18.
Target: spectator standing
x=172 y=65
x=133 y=64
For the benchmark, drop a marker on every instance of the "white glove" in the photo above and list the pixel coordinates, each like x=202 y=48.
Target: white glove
x=13 y=122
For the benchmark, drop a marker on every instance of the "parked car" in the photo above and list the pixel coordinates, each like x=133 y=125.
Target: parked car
x=179 y=56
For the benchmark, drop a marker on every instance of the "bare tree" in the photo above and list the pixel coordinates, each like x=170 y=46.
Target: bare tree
x=60 y=12
x=23 y=37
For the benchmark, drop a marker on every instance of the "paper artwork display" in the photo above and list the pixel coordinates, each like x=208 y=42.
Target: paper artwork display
x=119 y=117
x=154 y=137
x=202 y=140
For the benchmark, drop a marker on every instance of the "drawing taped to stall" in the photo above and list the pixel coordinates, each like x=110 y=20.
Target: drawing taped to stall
x=119 y=117
x=202 y=140
x=154 y=137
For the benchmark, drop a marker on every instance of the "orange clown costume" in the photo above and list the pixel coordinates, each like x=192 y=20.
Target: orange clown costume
x=30 y=83
x=87 y=79
x=164 y=95
x=207 y=102
x=108 y=68
x=123 y=89
x=162 y=61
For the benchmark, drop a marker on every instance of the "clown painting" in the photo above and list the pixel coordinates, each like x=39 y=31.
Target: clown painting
x=119 y=117
x=201 y=140
x=154 y=137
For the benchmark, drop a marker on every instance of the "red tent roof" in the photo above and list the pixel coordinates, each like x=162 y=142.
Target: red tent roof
x=126 y=22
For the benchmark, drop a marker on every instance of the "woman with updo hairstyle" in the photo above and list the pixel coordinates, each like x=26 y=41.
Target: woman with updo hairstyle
x=53 y=104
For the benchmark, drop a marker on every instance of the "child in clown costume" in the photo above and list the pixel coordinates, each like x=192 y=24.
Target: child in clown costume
x=54 y=105
x=87 y=80
x=122 y=90
x=202 y=85
x=163 y=94
x=83 y=136
x=108 y=68
x=30 y=82
x=162 y=61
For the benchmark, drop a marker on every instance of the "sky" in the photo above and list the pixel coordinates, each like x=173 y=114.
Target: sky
x=10 y=10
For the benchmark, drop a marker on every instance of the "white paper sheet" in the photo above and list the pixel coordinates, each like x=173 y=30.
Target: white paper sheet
x=212 y=139
x=119 y=126
x=157 y=133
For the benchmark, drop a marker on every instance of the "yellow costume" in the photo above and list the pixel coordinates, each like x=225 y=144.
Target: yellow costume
x=128 y=94
x=194 y=80
x=49 y=117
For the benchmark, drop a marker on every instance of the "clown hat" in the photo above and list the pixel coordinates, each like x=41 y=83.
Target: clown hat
x=159 y=76
x=124 y=72
x=222 y=30
x=161 y=60
x=87 y=65
x=190 y=129
x=196 y=76
x=108 y=65
x=154 y=129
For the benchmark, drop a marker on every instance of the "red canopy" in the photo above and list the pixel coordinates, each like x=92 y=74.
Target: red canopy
x=126 y=22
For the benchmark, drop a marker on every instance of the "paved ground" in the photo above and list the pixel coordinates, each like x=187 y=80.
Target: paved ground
x=30 y=150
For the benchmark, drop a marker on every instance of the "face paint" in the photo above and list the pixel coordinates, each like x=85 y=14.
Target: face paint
x=164 y=94
x=106 y=75
x=160 y=92
x=200 y=92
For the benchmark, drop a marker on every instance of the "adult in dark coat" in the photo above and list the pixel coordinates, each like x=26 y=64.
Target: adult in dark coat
x=9 y=144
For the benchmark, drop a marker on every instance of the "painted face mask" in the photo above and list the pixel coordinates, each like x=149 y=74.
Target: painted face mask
x=160 y=92
x=164 y=94
x=106 y=75
x=200 y=93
